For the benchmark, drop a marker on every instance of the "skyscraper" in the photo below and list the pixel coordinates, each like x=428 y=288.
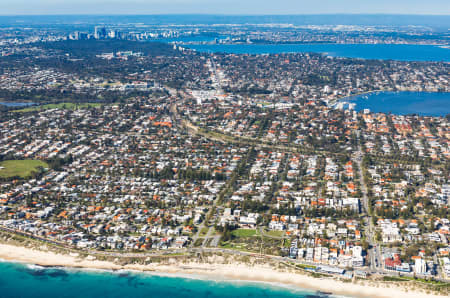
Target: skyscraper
x=100 y=32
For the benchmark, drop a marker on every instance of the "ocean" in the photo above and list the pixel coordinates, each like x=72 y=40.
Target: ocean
x=403 y=103
x=402 y=52
x=18 y=280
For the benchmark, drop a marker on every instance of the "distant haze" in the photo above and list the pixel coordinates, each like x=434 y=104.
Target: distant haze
x=441 y=23
x=247 y=7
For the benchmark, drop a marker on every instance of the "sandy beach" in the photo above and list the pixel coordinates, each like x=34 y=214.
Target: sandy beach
x=215 y=270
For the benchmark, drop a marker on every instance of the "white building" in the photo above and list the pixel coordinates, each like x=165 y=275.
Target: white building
x=420 y=267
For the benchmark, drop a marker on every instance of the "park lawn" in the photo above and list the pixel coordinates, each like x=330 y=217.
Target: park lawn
x=20 y=168
x=244 y=232
x=275 y=233
x=63 y=105
x=238 y=247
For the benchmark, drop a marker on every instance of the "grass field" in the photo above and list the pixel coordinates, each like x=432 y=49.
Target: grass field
x=275 y=233
x=239 y=247
x=245 y=232
x=20 y=168
x=64 y=105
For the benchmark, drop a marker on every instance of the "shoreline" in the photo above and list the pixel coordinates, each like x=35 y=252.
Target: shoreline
x=351 y=98
x=216 y=269
x=336 y=100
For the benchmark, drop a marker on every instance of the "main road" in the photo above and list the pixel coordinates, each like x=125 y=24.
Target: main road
x=369 y=229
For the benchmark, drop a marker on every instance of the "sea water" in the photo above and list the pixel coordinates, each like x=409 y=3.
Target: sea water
x=22 y=280
x=402 y=52
x=17 y=104
x=403 y=103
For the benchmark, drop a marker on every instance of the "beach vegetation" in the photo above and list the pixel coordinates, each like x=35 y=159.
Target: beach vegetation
x=393 y=278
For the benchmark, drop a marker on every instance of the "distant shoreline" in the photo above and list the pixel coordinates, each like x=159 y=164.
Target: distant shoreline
x=356 y=98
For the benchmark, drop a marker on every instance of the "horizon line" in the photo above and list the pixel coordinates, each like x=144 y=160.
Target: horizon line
x=218 y=14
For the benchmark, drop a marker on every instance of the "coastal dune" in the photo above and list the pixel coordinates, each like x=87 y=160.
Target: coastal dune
x=216 y=270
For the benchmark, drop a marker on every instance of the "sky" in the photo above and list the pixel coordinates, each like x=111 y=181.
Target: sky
x=239 y=7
